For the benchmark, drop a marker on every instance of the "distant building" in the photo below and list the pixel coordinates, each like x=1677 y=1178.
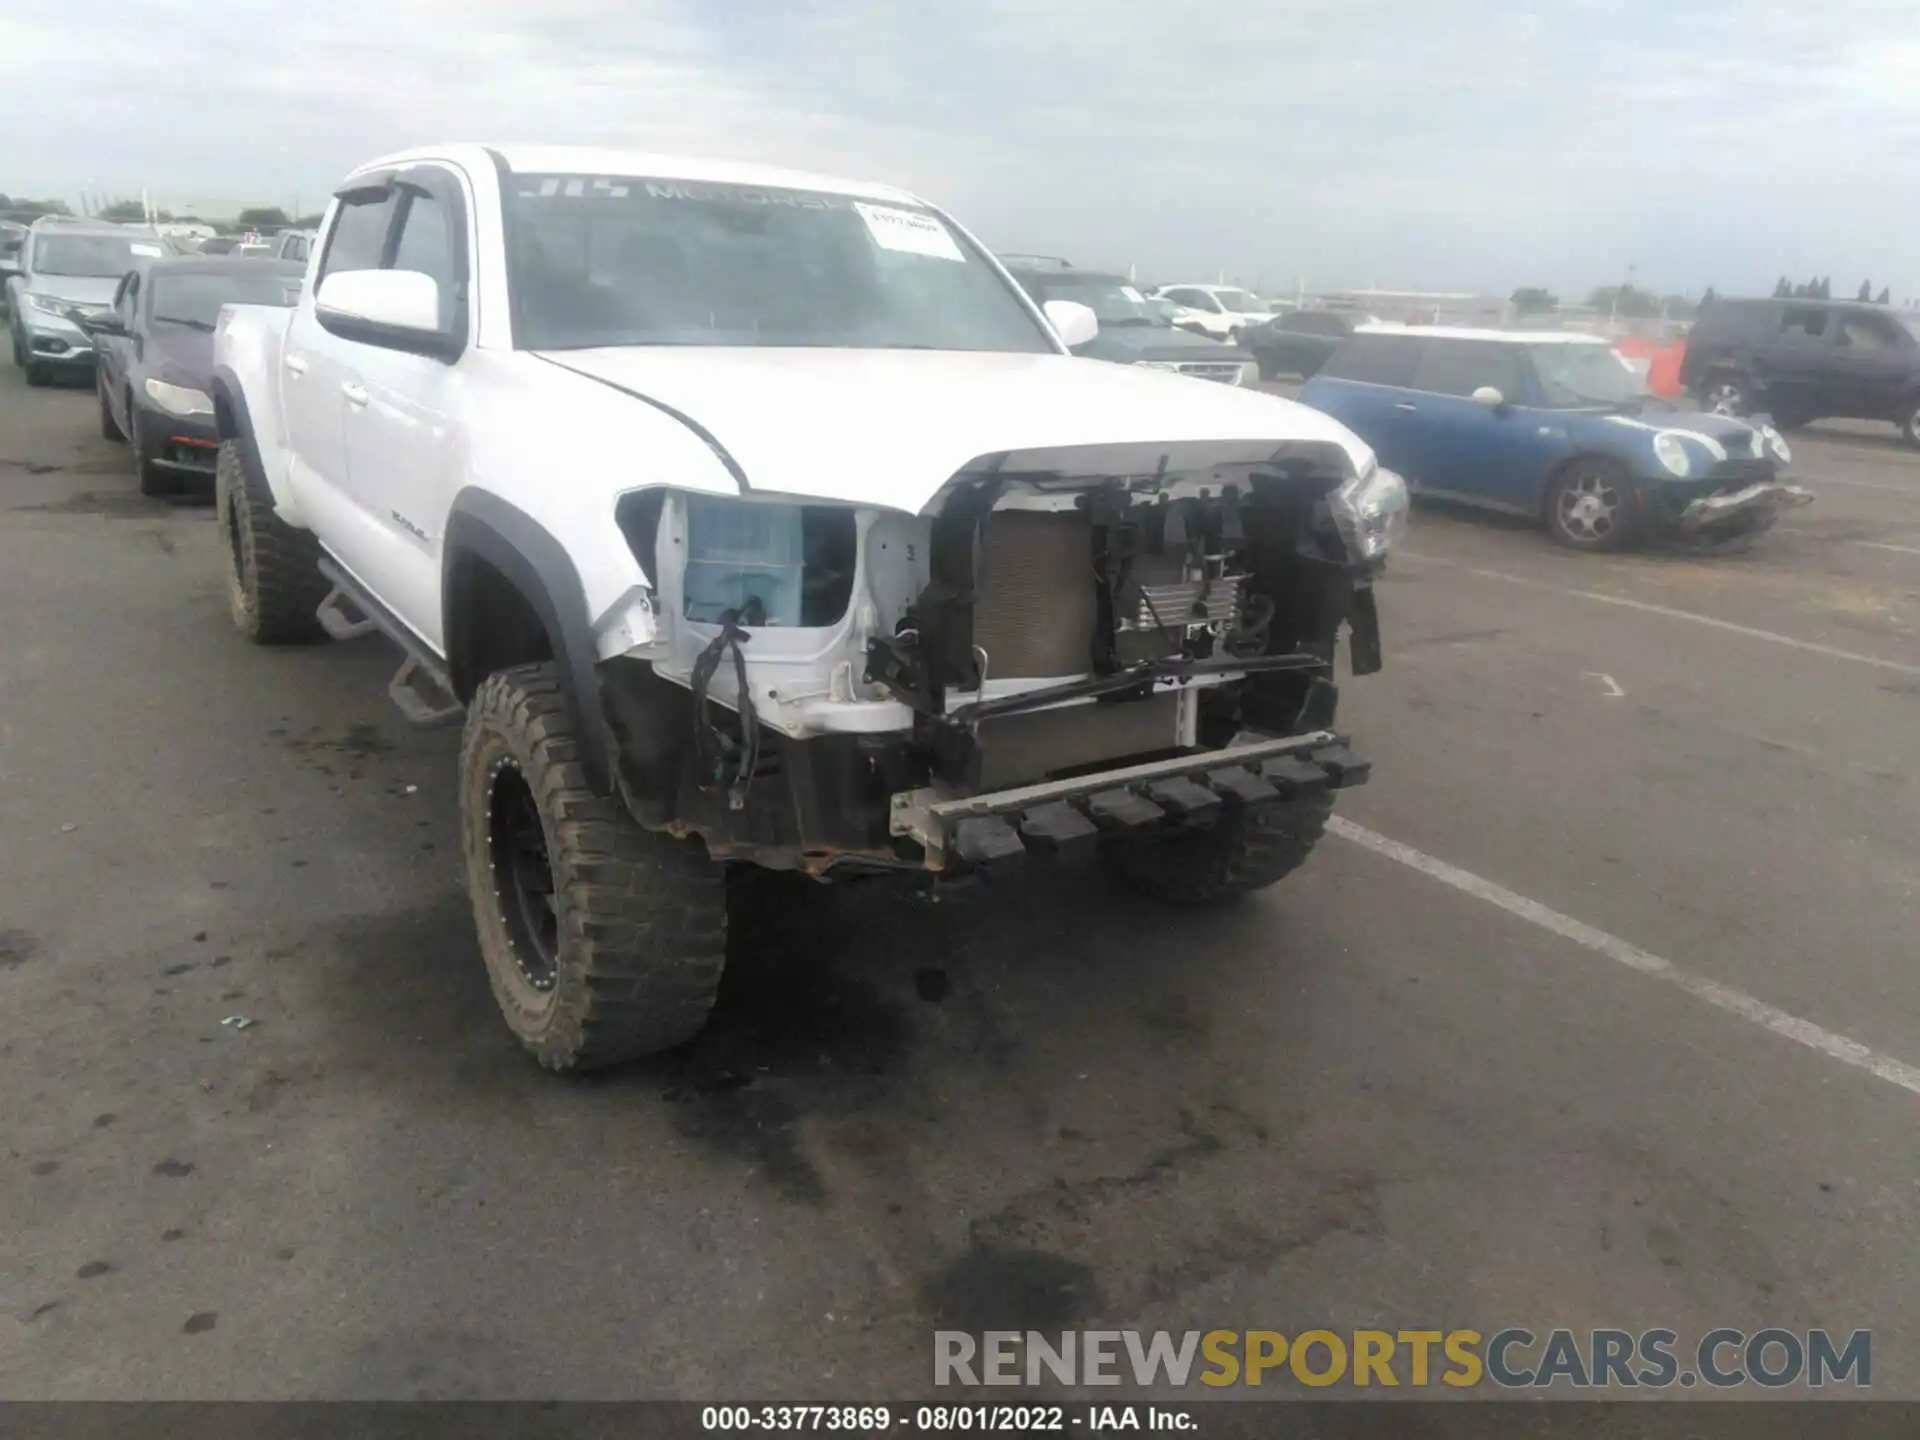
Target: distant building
x=1420 y=307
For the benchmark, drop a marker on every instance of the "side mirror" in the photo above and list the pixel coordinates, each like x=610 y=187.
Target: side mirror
x=1488 y=396
x=101 y=322
x=1075 y=323
x=394 y=309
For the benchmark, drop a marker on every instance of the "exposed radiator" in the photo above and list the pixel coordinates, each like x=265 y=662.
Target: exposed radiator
x=1038 y=605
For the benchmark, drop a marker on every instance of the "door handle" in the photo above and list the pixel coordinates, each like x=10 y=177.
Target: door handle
x=356 y=394
x=295 y=365
x=1404 y=405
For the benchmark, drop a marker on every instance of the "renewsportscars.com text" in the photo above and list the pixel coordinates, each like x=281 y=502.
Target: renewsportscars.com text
x=1511 y=1359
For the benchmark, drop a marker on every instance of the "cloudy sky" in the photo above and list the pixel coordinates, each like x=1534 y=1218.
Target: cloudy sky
x=1404 y=143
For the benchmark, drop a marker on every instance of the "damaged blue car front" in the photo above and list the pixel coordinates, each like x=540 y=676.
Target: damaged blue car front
x=1556 y=427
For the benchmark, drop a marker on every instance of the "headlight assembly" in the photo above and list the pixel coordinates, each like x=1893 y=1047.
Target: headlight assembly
x=1777 y=444
x=179 y=399
x=47 y=304
x=1671 y=451
x=1370 y=512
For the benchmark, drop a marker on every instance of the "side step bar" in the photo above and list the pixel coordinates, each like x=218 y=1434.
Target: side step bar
x=420 y=690
x=981 y=829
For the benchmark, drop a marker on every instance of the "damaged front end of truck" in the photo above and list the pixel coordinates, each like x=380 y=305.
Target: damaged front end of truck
x=1119 y=643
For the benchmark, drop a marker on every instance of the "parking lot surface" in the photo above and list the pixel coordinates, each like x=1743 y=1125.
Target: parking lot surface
x=1599 y=1008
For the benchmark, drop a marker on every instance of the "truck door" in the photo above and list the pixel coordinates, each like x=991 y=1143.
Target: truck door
x=403 y=461
x=315 y=367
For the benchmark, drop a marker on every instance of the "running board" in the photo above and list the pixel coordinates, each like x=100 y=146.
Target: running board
x=341 y=618
x=420 y=689
x=980 y=830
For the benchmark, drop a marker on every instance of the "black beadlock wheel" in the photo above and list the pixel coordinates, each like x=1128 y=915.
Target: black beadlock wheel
x=1244 y=851
x=274 y=584
x=603 y=941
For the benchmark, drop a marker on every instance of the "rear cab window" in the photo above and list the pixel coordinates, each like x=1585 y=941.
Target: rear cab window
x=1376 y=360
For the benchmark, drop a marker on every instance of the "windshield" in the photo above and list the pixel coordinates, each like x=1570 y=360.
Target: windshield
x=1575 y=375
x=96 y=256
x=195 y=300
x=1245 y=301
x=1114 y=302
x=625 y=261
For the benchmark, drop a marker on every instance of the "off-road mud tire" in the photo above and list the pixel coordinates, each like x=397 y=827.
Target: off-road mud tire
x=274 y=584
x=1244 y=851
x=641 y=917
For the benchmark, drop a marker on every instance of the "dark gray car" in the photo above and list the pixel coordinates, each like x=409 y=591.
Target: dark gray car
x=1134 y=330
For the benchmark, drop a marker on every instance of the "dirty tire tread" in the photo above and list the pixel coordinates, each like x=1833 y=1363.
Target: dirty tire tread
x=274 y=584
x=1242 y=852
x=642 y=915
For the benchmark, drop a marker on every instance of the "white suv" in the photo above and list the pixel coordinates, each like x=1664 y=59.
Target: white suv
x=1225 y=312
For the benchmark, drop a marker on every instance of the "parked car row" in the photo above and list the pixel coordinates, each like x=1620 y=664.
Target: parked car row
x=1134 y=328
x=1552 y=426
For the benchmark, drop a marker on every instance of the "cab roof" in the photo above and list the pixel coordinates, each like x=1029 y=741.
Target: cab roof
x=530 y=159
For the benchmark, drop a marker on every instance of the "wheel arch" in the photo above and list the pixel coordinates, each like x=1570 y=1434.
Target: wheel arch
x=1581 y=455
x=491 y=544
x=233 y=421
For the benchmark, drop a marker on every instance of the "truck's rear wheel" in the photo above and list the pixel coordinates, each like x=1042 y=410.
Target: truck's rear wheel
x=274 y=584
x=603 y=941
x=1244 y=851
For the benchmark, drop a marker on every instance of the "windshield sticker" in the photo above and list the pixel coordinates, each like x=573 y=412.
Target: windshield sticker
x=908 y=231
x=1132 y=294
x=153 y=250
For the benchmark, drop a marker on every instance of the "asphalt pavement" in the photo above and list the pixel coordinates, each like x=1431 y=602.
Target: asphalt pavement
x=1599 y=1009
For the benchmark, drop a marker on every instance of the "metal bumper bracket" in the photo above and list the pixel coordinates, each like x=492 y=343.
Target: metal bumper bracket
x=978 y=830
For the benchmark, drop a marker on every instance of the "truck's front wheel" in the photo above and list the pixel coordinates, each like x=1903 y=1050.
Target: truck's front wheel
x=274 y=584
x=1244 y=851
x=603 y=941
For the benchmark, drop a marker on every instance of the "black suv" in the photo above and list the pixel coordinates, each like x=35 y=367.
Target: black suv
x=1802 y=360
x=1299 y=342
x=1134 y=330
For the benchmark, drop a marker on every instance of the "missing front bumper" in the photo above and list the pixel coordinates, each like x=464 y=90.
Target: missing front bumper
x=1755 y=506
x=982 y=829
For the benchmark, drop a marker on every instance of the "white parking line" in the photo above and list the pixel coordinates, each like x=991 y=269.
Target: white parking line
x=1882 y=545
x=1721 y=997
x=1912 y=490
x=1832 y=652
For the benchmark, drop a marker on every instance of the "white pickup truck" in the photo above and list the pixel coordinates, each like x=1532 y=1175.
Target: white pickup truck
x=747 y=517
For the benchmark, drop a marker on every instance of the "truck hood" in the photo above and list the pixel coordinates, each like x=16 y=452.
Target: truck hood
x=890 y=428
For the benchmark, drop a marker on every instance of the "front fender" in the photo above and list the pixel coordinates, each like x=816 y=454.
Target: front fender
x=234 y=419
x=482 y=526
